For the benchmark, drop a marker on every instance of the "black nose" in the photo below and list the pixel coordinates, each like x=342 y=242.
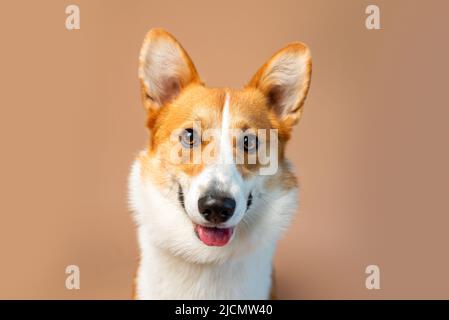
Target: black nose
x=216 y=208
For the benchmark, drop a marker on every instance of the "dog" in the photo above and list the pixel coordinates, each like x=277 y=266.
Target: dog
x=208 y=229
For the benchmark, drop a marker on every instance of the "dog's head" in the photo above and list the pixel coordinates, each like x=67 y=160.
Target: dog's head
x=214 y=173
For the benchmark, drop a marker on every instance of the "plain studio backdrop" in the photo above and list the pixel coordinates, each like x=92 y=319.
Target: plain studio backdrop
x=371 y=150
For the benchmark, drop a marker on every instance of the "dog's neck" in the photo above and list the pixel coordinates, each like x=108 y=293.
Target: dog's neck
x=162 y=275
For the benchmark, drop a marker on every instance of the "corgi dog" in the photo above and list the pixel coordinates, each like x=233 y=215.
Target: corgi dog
x=207 y=224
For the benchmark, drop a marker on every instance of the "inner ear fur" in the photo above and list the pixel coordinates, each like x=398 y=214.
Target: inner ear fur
x=284 y=80
x=165 y=69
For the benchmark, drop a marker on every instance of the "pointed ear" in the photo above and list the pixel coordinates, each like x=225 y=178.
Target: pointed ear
x=285 y=80
x=165 y=69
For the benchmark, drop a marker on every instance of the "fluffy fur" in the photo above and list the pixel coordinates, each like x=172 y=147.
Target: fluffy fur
x=174 y=263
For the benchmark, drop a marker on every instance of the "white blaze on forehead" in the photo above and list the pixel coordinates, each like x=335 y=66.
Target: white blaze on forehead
x=226 y=156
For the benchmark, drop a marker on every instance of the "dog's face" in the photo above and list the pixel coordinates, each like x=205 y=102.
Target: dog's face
x=216 y=156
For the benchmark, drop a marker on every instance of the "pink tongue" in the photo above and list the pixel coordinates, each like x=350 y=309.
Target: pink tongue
x=214 y=236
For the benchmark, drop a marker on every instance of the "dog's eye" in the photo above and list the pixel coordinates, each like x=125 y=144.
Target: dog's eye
x=189 y=138
x=250 y=143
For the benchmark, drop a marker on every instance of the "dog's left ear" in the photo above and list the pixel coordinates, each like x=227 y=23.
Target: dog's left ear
x=284 y=80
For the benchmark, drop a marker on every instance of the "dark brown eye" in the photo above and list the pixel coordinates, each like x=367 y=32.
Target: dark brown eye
x=250 y=143
x=189 y=138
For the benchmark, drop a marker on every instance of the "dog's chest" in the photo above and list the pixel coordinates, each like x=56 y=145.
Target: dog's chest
x=162 y=278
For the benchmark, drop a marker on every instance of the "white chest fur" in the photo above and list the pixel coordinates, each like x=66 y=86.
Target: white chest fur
x=164 y=276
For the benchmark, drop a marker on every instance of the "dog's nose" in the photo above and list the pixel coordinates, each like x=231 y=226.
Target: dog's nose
x=216 y=209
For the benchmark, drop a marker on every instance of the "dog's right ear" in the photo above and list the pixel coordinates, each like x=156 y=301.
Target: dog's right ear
x=165 y=69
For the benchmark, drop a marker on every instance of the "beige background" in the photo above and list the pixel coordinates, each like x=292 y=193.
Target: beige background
x=371 y=150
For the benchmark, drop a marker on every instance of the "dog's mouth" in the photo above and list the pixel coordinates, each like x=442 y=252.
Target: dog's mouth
x=213 y=236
